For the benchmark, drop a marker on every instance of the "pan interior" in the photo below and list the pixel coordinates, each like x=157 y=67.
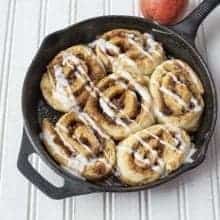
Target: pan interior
x=35 y=108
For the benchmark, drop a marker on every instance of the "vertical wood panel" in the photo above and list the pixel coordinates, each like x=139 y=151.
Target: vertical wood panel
x=211 y=33
x=54 y=16
x=87 y=9
x=58 y=15
x=5 y=59
x=22 y=39
x=91 y=205
x=122 y=7
x=4 y=18
x=163 y=201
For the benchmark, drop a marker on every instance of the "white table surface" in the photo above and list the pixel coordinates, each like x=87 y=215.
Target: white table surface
x=24 y=23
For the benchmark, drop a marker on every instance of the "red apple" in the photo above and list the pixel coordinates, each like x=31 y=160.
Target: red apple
x=163 y=11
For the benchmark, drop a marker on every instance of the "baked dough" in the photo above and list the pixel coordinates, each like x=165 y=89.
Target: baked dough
x=139 y=50
x=177 y=94
x=77 y=144
x=64 y=85
x=121 y=106
x=151 y=153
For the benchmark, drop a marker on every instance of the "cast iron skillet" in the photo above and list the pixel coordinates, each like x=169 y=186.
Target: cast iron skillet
x=178 y=41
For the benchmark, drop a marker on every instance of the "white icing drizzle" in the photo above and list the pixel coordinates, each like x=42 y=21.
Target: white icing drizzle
x=105 y=103
x=103 y=160
x=160 y=163
x=138 y=157
x=64 y=129
x=191 y=152
x=188 y=70
x=139 y=89
x=116 y=172
x=124 y=63
x=82 y=144
x=62 y=90
x=174 y=96
x=160 y=167
x=59 y=76
x=130 y=35
x=50 y=140
x=178 y=137
x=69 y=59
x=78 y=163
x=151 y=44
x=142 y=51
x=105 y=107
x=105 y=46
x=196 y=106
x=174 y=78
x=160 y=140
x=88 y=120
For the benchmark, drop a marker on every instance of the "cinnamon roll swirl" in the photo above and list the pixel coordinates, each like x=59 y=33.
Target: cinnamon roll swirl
x=141 y=49
x=120 y=105
x=177 y=93
x=124 y=33
x=151 y=153
x=77 y=143
x=64 y=84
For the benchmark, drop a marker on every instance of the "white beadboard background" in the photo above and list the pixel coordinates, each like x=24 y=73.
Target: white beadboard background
x=24 y=23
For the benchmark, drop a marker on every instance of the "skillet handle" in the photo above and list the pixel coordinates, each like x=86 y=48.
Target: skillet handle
x=188 y=26
x=69 y=188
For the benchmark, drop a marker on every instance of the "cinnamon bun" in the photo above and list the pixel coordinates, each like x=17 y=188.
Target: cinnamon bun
x=177 y=93
x=124 y=33
x=140 y=50
x=77 y=143
x=120 y=105
x=65 y=82
x=151 y=153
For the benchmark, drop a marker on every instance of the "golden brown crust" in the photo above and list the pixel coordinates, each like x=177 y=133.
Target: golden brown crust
x=151 y=153
x=124 y=33
x=54 y=144
x=121 y=107
x=177 y=94
x=141 y=49
x=64 y=84
x=78 y=146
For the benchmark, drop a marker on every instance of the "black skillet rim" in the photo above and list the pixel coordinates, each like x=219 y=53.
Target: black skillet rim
x=52 y=164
